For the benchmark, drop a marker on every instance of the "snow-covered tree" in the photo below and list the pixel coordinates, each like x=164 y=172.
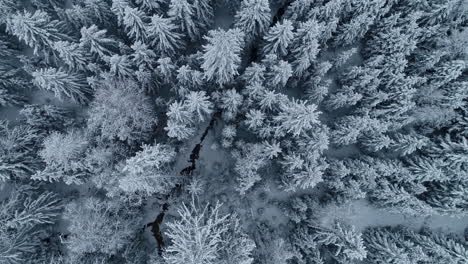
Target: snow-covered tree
x=296 y=117
x=149 y=171
x=98 y=11
x=221 y=58
x=231 y=101
x=199 y=104
x=95 y=41
x=149 y=5
x=183 y=13
x=406 y=144
x=203 y=12
x=98 y=226
x=36 y=29
x=120 y=111
x=345 y=241
x=254 y=119
x=278 y=38
x=46 y=117
x=64 y=157
x=205 y=235
x=72 y=54
x=249 y=162
x=135 y=22
x=163 y=35
x=118 y=8
x=121 y=66
x=63 y=84
x=306 y=46
x=280 y=74
x=253 y=18
x=22 y=213
x=18 y=151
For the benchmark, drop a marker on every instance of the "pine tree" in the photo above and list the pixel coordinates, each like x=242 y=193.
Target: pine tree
x=204 y=235
x=149 y=5
x=8 y=7
x=231 y=101
x=143 y=57
x=36 y=29
x=353 y=30
x=18 y=151
x=204 y=12
x=248 y=163
x=24 y=215
x=389 y=245
x=72 y=54
x=121 y=66
x=46 y=117
x=254 y=119
x=278 y=38
x=99 y=11
x=118 y=7
x=296 y=117
x=253 y=17
x=135 y=22
x=222 y=55
x=149 y=171
x=346 y=241
x=178 y=130
x=306 y=47
x=63 y=84
x=64 y=157
x=95 y=40
x=448 y=198
x=189 y=78
x=198 y=103
x=163 y=35
x=280 y=74
x=406 y=144
x=301 y=171
x=376 y=141
x=183 y=13
x=396 y=197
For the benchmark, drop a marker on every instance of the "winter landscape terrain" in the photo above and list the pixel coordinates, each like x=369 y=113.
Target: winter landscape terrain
x=234 y=131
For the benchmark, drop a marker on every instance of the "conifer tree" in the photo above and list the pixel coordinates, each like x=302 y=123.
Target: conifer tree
x=278 y=38
x=121 y=112
x=203 y=12
x=205 y=235
x=346 y=241
x=95 y=41
x=306 y=47
x=253 y=17
x=118 y=7
x=64 y=157
x=121 y=66
x=135 y=22
x=72 y=54
x=222 y=55
x=149 y=172
x=296 y=117
x=36 y=29
x=63 y=84
x=183 y=14
x=163 y=35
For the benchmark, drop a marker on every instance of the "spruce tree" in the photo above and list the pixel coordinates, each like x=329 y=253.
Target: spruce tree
x=63 y=84
x=221 y=58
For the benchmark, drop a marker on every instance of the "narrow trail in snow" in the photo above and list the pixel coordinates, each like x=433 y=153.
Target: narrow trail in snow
x=187 y=171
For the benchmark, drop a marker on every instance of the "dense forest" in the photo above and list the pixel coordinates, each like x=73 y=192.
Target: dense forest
x=233 y=131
